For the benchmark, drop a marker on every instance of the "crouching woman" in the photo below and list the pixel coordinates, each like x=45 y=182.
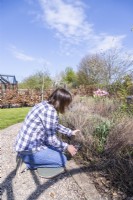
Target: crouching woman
x=37 y=143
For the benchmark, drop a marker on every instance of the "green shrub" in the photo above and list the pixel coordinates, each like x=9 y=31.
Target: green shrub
x=101 y=132
x=127 y=109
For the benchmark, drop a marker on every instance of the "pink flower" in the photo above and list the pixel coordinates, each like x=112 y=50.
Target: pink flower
x=100 y=93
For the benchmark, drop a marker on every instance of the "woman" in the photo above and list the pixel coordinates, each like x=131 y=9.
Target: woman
x=37 y=143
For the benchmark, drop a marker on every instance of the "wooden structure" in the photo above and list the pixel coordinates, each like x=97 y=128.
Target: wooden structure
x=7 y=82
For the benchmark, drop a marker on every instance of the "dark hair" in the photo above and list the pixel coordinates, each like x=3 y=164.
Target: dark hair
x=60 y=99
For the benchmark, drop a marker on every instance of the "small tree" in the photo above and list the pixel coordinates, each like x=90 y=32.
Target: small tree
x=69 y=77
x=36 y=80
x=104 y=68
x=117 y=65
x=92 y=70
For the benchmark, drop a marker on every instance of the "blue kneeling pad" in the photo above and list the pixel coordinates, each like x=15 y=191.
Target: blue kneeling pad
x=50 y=172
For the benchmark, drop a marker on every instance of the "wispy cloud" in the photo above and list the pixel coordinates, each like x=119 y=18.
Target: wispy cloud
x=67 y=19
x=106 y=42
x=70 y=23
x=20 y=55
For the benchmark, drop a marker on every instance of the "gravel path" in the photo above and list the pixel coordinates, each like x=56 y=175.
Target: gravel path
x=71 y=185
x=28 y=186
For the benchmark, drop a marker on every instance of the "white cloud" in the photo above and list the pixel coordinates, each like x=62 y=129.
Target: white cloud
x=24 y=57
x=106 y=42
x=20 y=55
x=70 y=23
x=67 y=19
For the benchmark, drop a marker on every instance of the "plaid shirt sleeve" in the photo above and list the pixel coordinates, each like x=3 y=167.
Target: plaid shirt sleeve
x=51 y=127
x=64 y=130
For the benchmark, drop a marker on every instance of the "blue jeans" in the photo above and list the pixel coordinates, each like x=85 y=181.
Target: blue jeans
x=49 y=157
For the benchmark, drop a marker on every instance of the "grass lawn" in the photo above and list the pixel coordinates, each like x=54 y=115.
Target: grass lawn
x=12 y=116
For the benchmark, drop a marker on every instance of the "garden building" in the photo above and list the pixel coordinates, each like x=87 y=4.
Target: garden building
x=7 y=82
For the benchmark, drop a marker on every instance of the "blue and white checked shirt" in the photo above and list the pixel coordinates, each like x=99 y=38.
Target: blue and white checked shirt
x=39 y=129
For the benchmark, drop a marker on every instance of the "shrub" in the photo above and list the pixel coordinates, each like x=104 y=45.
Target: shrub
x=120 y=137
x=101 y=132
x=107 y=140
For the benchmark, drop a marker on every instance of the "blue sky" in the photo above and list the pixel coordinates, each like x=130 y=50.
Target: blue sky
x=54 y=34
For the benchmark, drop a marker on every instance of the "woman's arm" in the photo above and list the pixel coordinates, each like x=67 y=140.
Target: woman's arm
x=67 y=131
x=62 y=129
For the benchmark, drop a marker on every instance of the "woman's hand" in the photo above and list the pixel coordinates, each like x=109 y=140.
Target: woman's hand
x=75 y=132
x=72 y=150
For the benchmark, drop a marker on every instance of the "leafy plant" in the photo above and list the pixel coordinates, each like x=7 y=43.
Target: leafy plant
x=101 y=132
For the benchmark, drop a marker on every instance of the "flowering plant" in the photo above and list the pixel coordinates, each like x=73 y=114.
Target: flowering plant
x=100 y=93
